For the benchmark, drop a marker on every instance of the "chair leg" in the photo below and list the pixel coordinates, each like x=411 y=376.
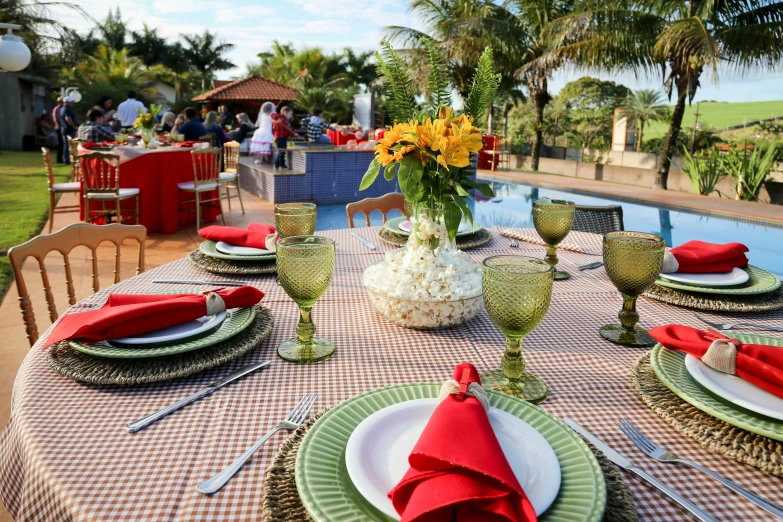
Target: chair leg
x=118 y=210
x=51 y=211
x=220 y=207
x=228 y=195
x=198 y=211
x=239 y=195
x=138 y=209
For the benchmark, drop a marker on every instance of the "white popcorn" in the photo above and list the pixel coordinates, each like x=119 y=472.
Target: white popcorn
x=417 y=287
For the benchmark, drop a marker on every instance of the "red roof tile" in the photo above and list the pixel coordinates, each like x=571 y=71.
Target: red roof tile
x=252 y=88
x=220 y=83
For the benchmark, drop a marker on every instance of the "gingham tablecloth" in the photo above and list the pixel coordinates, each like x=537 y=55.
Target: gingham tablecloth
x=65 y=454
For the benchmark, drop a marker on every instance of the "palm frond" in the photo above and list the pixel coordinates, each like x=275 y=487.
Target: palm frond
x=438 y=78
x=397 y=84
x=687 y=40
x=484 y=86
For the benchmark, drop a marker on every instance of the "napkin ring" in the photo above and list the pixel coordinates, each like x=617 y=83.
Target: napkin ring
x=670 y=263
x=452 y=387
x=722 y=356
x=215 y=304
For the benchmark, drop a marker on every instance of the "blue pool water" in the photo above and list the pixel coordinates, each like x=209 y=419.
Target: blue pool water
x=513 y=203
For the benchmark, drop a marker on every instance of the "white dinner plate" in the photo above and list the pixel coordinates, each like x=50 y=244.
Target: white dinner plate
x=377 y=453
x=176 y=332
x=228 y=248
x=733 y=278
x=406 y=226
x=735 y=390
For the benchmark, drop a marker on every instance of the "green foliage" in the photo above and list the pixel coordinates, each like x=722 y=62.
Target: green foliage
x=483 y=87
x=751 y=170
x=205 y=53
x=397 y=85
x=590 y=104
x=641 y=107
x=149 y=46
x=437 y=82
x=704 y=169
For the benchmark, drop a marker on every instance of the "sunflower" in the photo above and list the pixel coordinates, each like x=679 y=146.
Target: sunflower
x=383 y=152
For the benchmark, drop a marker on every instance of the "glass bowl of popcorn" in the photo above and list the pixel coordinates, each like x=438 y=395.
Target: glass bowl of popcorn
x=418 y=288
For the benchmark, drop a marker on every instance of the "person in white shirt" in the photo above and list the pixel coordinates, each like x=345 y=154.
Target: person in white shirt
x=129 y=109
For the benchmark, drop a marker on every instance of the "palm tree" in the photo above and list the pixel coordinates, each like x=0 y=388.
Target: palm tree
x=111 y=67
x=205 y=54
x=682 y=39
x=176 y=60
x=641 y=106
x=113 y=31
x=149 y=46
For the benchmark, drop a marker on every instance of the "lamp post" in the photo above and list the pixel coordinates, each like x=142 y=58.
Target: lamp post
x=14 y=54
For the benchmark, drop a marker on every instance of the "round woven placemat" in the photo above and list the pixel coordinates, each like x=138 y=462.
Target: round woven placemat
x=282 y=503
x=223 y=266
x=718 y=302
x=480 y=238
x=126 y=372
x=714 y=434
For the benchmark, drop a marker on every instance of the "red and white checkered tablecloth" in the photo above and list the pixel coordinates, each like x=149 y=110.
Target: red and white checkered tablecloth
x=65 y=454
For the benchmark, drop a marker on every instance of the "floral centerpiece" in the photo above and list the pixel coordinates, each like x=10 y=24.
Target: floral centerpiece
x=145 y=123
x=429 y=283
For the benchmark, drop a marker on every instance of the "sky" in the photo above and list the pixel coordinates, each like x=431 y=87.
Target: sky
x=252 y=25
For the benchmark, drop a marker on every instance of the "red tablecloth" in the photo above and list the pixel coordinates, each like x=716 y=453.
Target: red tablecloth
x=156 y=174
x=339 y=139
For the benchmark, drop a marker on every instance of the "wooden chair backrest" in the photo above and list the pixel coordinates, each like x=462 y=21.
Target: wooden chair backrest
x=231 y=156
x=206 y=165
x=47 y=159
x=208 y=138
x=73 y=153
x=101 y=172
x=385 y=203
x=64 y=241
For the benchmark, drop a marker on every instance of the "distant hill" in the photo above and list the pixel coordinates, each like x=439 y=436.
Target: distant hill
x=721 y=115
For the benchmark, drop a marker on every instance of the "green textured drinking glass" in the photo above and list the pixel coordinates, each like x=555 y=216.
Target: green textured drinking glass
x=295 y=219
x=517 y=291
x=305 y=265
x=633 y=261
x=553 y=219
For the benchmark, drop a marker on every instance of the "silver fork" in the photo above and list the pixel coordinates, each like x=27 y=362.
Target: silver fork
x=731 y=326
x=658 y=453
x=292 y=421
x=514 y=243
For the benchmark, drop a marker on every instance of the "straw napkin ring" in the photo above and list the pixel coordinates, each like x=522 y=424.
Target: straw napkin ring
x=670 y=263
x=474 y=389
x=722 y=354
x=215 y=303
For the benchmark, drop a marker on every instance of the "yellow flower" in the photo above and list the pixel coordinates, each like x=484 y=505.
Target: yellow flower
x=446 y=114
x=383 y=155
x=402 y=152
x=390 y=138
x=452 y=152
x=469 y=135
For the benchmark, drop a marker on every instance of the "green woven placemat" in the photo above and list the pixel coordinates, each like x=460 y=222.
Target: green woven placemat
x=718 y=303
x=480 y=238
x=222 y=266
x=126 y=372
x=281 y=501
x=713 y=434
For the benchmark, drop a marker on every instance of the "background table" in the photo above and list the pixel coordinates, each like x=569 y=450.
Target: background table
x=65 y=453
x=156 y=172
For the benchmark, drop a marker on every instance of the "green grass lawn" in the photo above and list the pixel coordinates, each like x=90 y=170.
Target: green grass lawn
x=720 y=115
x=24 y=202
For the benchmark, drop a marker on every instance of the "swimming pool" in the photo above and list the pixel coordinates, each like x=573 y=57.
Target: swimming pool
x=513 y=202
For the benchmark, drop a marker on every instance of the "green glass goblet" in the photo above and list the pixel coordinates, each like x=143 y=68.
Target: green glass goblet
x=553 y=219
x=295 y=219
x=633 y=261
x=517 y=291
x=305 y=265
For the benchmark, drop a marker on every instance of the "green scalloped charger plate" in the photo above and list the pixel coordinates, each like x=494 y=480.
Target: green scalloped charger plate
x=237 y=319
x=393 y=225
x=669 y=366
x=327 y=492
x=208 y=248
x=760 y=282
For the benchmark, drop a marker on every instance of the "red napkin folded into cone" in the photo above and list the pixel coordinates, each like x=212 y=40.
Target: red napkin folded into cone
x=126 y=315
x=256 y=235
x=759 y=364
x=700 y=257
x=458 y=469
x=90 y=145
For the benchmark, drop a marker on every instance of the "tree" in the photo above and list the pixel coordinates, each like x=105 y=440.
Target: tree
x=358 y=67
x=642 y=106
x=148 y=46
x=205 y=54
x=113 y=30
x=591 y=103
x=176 y=60
x=681 y=39
x=285 y=64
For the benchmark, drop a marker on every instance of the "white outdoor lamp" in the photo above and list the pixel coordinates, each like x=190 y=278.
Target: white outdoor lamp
x=73 y=93
x=14 y=54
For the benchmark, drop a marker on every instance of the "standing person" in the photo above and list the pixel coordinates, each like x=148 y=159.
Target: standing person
x=261 y=142
x=315 y=127
x=93 y=129
x=104 y=102
x=282 y=131
x=69 y=126
x=58 y=124
x=130 y=109
x=226 y=118
x=211 y=125
x=193 y=129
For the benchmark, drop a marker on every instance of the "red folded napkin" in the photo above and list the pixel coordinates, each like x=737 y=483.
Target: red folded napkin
x=255 y=235
x=125 y=315
x=90 y=145
x=186 y=143
x=108 y=143
x=458 y=469
x=759 y=364
x=700 y=257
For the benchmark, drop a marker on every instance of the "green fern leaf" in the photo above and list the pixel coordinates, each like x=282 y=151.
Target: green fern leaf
x=397 y=84
x=437 y=82
x=485 y=85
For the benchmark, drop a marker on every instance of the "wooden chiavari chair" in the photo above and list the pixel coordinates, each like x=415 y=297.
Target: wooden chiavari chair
x=206 y=178
x=229 y=178
x=101 y=180
x=57 y=188
x=385 y=203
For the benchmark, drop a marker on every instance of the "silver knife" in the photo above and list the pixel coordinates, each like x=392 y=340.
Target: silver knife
x=366 y=243
x=590 y=266
x=199 y=282
x=629 y=466
x=133 y=427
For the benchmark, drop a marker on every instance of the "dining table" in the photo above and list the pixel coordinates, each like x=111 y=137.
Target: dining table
x=156 y=173
x=65 y=453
